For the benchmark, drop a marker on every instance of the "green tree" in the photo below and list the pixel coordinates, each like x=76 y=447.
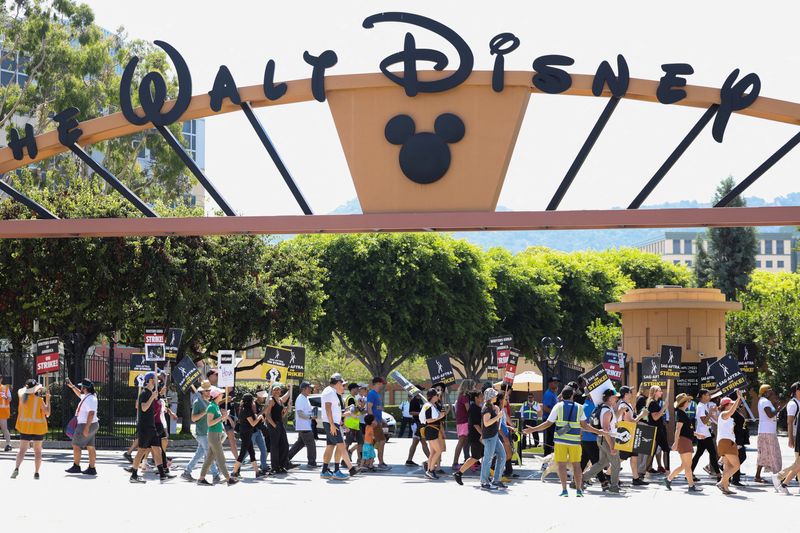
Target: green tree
x=702 y=265
x=647 y=270
x=731 y=251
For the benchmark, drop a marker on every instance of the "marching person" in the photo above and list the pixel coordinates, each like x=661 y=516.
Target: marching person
x=605 y=419
x=354 y=436
x=332 y=425
x=5 y=412
x=462 y=421
x=431 y=419
x=529 y=413
x=626 y=413
x=726 y=441
x=375 y=408
x=260 y=434
x=248 y=423
x=275 y=411
x=590 y=450
x=742 y=434
x=549 y=400
x=492 y=446
x=793 y=429
x=32 y=417
x=147 y=436
x=769 y=451
x=684 y=432
x=656 y=416
x=407 y=421
x=569 y=419
x=302 y=424
x=705 y=442
x=474 y=446
x=85 y=431
x=415 y=408
x=200 y=419
x=214 y=418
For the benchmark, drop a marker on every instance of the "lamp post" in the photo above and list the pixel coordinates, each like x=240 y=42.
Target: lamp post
x=550 y=356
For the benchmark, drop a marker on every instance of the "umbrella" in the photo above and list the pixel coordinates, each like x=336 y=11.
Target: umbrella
x=528 y=381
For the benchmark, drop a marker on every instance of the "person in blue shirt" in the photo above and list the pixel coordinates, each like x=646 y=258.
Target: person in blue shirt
x=375 y=408
x=549 y=401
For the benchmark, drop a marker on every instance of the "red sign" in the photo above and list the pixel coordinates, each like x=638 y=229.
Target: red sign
x=502 y=356
x=155 y=336
x=47 y=363
x=511 y=365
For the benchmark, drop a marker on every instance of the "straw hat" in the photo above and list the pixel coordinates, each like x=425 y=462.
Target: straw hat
x=681 y=399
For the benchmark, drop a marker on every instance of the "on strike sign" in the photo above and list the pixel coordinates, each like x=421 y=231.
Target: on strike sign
x=155 y=335
x=47 y=356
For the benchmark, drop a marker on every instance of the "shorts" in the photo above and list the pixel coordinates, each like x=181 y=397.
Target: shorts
x=379 y=435
x=430 y=432
x=475 y=449
x=624 y=456
x=727 y=447
x=78 y=438
x=353 y=436
x=368 y=452
x=148 y=438
x=567 y=453
x=462 y=430
x=685 y=445
x=32 y=438
x=331 y=439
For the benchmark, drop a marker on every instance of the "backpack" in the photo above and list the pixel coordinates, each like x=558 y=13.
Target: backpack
x=597 y=416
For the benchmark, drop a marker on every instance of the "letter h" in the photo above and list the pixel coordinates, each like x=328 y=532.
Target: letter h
x=18 y=145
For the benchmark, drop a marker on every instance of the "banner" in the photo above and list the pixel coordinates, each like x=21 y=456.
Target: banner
x=596 y=382
x=185 y=374
x=154 y=353
x=276 y=363
x=511 y=366
x=407 y=385
x=226 y=369
x=297 y=362
x=689 y=380
x=729 y=377
x=138 y=367
x=671 y=361
x=48 y=359
x=707 y=379
x=492 y=372
x=614 y=363
x=747 y=352
x=173 y=342
x=441 y=370
x=154 y=335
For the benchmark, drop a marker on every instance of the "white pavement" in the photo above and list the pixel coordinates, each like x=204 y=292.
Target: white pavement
x=383 y=502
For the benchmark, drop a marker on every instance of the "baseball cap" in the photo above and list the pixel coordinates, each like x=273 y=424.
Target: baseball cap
x=489 y=393
x=554 y=378
x=216 y=392
x=304 y=385
x=608 y=393
x=211 y=372
x=725 y=401
x=625 y=390
x=337 y=378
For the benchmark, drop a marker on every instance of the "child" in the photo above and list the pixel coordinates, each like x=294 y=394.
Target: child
x=368 y=450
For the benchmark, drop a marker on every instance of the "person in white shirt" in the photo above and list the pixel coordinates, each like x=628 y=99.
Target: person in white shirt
x=726 y=441
x=702 y=431
x=609 y=456
x=793 y=428
x=769 y=451
x=303 y=412
x=332 y=425
x=85 y=431
x=408 y=421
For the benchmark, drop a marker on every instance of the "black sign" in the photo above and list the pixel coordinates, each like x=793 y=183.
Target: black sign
x=651 y=369
x=747 y=352
x=441 y=370
x=154 y=352
x=671 y=361
x=511 y=366
x=185 y=374
x=47 y=346
x=707 y=379
x=644 y=440
x=507 y=340
x=174 y=336
x=689 y=380
x=297 y=362
x=492 y=372
x=597 y=381
x=729 y=377
x=614 y=363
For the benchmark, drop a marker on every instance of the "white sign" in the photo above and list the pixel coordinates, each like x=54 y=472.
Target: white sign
x=154 y=353
x=226 y=368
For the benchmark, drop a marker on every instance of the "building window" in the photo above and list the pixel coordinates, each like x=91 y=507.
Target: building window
x=780 y=264
x=779 y=247
x=758 y=264
x=688 y=338
x=769 y=264
x=689 y=262
x=646 y=338
x=676 y=246
x=768 y=247
x=687 y=246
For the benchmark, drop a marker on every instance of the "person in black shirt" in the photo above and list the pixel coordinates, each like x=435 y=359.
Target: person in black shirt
x=742 y=436
x=279 y=442
x=248 y=424
x=474 y=446
x=656 y=410
x=415 y=408
x=149 y=441
x=684 y=433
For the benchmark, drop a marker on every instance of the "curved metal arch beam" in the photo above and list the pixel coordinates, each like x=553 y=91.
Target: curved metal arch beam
x=115 y=125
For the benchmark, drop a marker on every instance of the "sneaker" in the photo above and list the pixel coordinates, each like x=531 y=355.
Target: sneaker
x=411 y=463
x=668 y=483
x=694 y=488
x=74 y=469
x=738 y=484
x=487 y=486
x=661 y=470
x=564 y=494
x=340 y=476
x=500 y=485
x=579 y=494
x=310 y=465
x=232 y=481
x=7 y=449
x=15 y=473
x=261 y=474
x=136 y=479
x=782 y=490
x=292 y=466
x=166 y=476
x=128 y=456
x=385 y=468
x=89 y=471
x=617 y=490
x=354 y=471
x=639 y=482
x=130 y=470
x=204 y=483
x=431 y=475
x=457 y=476
x=36 y=475
x=326 y=474
x=187 y=476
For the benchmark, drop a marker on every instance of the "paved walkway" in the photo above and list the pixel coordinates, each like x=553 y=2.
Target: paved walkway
x=390 y=501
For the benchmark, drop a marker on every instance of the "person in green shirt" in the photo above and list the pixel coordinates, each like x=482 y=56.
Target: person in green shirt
x=215 y=417
x=199 y=412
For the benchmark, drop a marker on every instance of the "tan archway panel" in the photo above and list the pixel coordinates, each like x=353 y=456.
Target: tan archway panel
x=115 y=125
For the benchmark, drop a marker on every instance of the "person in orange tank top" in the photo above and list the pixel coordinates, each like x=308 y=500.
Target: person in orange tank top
x=5 y=412
x=34 y=408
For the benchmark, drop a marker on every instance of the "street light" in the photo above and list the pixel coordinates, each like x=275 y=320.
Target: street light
x=552 y=347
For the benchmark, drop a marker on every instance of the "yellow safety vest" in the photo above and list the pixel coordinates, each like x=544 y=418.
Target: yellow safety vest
x=352 y=422
x=5 y=403
x=573 y=434
x=31 y=419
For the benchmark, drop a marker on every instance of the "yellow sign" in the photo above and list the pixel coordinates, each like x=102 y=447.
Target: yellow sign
x=273 y=372
x=626 y=431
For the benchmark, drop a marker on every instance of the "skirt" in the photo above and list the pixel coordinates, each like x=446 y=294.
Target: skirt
x=769 y=452
x=685 y=445
x=727 y=447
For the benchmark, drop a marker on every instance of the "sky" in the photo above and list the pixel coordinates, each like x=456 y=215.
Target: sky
x=713 y=36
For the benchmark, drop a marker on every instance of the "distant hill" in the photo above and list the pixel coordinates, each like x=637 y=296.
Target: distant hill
x=572 y=240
